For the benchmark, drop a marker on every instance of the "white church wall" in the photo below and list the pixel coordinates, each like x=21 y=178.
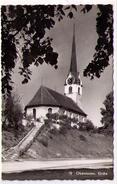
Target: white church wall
x=29 y=112
x=41 y=111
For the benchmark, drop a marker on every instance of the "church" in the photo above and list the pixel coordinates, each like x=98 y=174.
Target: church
x=47 y=100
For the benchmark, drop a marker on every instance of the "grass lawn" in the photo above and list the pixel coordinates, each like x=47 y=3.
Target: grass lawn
x=72 y=143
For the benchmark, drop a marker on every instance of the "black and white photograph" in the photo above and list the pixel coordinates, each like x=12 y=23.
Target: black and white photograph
x=57 y=93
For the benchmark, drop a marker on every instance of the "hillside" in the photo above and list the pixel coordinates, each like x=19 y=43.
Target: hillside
x=69 y=143
x=10 y=138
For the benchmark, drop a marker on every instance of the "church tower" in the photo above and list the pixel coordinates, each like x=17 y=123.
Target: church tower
x=73 y=83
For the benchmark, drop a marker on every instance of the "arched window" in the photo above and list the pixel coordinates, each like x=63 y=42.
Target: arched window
x=79 y=82
x=50 y=110
x=34 y=113
x=79 y=90
x=70 y=89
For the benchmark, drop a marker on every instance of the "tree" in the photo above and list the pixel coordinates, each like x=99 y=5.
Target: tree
x=24 y=28
x=12 y=113
x=107 y=112
x=104 y=47
x=88 y=125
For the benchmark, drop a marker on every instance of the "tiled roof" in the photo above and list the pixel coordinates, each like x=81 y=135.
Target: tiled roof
x=48 y=97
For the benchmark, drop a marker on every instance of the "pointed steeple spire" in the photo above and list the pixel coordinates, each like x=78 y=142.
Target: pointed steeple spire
x=73 y=65
x=73 y=83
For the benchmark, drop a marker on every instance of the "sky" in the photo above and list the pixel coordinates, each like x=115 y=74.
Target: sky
x=94 y=91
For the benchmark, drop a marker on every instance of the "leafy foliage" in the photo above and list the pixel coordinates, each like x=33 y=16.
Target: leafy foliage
x=24 y=28
x=23 y=39
x=104 y=47
x=108 y=111
x=88 y=125
x=12 y=113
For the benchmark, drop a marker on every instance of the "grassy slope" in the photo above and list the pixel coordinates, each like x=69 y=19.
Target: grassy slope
x=70 y=144
x=9 y=139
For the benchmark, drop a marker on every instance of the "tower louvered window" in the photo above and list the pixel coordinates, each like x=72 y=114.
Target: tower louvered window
x=34 y=113
x=70 y=90
x=79 y=90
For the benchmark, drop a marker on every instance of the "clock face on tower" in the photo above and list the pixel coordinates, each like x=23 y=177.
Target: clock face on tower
x=70 y=80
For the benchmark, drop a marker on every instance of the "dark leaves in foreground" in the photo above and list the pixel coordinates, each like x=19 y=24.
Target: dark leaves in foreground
x=24 y=28
x=104 y=47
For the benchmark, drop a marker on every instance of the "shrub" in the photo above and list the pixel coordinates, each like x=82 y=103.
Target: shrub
x=105 y=130
x=48 y=116
x=53 y=131
x=48 y=122
x=55 y=116
x=87 y=126
x=62 y=117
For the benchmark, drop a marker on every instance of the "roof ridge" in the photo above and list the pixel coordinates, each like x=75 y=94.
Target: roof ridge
x=41 y=87
x=57 y=92
x=33 y=97
x=47 y=90
x=62 y=95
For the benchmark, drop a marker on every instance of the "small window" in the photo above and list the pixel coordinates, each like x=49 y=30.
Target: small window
x=79 y=82
x=79 y=90
x=70 y=89
x=34 y=113
x=50 y=110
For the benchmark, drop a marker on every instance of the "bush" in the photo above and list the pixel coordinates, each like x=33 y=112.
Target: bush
x=53 y=116
x=46 y=121
x=63 y=117
x=53 y=131
x=87 y=126
x=108 y=130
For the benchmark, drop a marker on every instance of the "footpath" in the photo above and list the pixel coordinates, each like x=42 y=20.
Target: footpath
x=14 y=152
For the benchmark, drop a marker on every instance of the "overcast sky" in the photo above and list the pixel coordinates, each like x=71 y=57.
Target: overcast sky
x=94 y=91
